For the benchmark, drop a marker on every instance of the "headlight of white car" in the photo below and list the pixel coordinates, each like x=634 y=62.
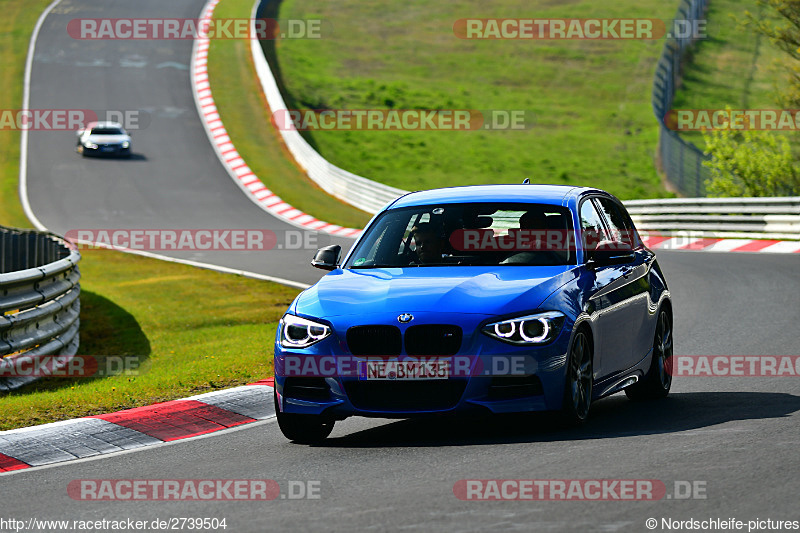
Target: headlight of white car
x=539 y=328
x=91 y=146
x=298 y=332
x=126 y=144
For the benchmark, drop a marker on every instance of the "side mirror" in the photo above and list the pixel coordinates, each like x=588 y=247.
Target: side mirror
x=327 y=258
x=610 y=253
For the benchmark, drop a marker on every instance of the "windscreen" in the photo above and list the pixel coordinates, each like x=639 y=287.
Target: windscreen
x=106 y=131
x=469 y=234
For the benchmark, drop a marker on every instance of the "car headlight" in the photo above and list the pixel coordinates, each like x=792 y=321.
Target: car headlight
x=126 y=144
x=298 y=332
x=539 y=328
x=91 y=146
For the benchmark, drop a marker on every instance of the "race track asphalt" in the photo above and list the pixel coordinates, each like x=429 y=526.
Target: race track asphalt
x=174 y=179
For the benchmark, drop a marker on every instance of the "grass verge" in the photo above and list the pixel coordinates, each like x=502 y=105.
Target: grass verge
x=244 y=111
x=193 y=330
x=19 y=19
x=594 y=123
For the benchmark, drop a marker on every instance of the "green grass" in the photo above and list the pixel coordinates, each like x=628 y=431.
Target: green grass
x=193 y=330
x=732 y=67
x=19 y=18
x=244 y=112
x=591 y=99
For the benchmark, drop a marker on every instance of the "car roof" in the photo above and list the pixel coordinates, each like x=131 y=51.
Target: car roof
x=105 y=124
x=543 y=194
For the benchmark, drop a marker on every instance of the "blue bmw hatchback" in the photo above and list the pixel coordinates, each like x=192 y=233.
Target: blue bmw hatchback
x=496 y=298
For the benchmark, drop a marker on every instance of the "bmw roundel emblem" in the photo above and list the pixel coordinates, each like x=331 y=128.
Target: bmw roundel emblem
x=405 y=318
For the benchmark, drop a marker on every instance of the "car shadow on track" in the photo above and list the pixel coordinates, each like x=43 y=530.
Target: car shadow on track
x=132 y=157
x=612 y=417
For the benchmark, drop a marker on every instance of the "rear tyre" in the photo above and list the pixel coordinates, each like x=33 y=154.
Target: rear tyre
x=578 y=386
x=303 y=429
x=657 y=382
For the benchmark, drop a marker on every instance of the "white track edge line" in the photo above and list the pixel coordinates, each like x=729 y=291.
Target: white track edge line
x=23 y=142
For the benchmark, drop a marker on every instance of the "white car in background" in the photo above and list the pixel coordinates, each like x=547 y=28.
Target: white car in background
x=104 y=138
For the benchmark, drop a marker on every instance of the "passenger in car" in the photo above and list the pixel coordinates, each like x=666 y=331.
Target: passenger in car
x=537 y=221
x=428 y=243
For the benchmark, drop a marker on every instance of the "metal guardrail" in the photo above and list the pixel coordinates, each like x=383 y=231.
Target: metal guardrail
x=749 y=218
x=681 y=161
x=39 y=299
x=363 y=193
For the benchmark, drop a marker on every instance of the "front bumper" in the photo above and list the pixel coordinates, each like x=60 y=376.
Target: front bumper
x=496 y=377
x=108 y=150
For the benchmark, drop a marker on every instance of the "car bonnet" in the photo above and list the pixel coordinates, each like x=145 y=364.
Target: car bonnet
x=489 y=291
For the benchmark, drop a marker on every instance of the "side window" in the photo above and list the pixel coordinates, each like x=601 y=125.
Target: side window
x=618 y=222
x=591 y=226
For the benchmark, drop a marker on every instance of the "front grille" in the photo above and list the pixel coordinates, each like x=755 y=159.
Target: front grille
x=108 y=148
x=433 y=339
x=509 y=387
x=374 y=340
x=399 y=396
x=306 y=389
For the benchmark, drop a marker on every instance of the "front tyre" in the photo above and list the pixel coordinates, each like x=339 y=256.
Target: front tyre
x=578 y=386
x=303 y=429
x=657 y=382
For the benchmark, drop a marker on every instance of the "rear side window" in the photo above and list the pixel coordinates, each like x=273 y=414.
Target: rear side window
x=591 y=226
x=618 y=222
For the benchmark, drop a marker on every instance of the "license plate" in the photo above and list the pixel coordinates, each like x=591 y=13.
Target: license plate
x=403 y=370
x=107 y=149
